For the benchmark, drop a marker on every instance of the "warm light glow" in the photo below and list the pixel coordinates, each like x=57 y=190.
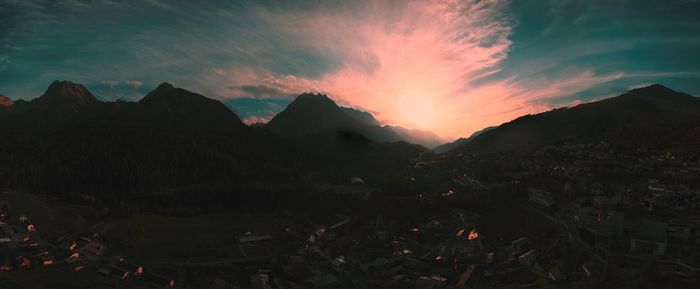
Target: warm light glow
x=473 y=235
x=416 y=110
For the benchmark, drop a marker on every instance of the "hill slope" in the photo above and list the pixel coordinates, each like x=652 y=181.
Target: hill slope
x=653 y=116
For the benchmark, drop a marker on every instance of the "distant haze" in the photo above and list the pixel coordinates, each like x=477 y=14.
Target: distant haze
x=452 y=67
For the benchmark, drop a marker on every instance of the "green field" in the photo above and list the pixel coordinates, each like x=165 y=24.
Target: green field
x=163 y=239
x=155 y=238
x=51 y=219
x=55 y=278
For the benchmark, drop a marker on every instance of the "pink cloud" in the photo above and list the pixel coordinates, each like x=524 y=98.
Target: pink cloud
x=253 y=119
x=415 y=64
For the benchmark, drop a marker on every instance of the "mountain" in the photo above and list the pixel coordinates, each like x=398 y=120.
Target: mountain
x=172 y=107
x=443 y=148
x=359 y=115
x=178 y=148
x=422 y=137
x=312 y=114
x=62 y=92
x=64 y=103
x=395 y=133
x=67 y=142
x=653 y=116
x=344 y=138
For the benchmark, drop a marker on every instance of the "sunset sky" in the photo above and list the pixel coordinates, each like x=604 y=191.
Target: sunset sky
x=452 y=67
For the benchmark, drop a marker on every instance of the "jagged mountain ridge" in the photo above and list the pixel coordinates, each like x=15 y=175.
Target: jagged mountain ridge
x=170 y=144
x=311 y=114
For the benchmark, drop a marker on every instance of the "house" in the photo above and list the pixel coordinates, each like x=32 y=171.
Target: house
x=5 y=241
x=541 y=197
x=528 y=258
x=218 y=284
x=47 y=260
x=589 y=216
x=159 y=281
x=253 y=239
x=357 y=181
x=680 y=229
x=128 y=268
x=601 y=236
x=342 y=222
x=649 y=238
x=591 y=269
x=23 y=262
x=260 y=281
x=555 y=273
x=520 y=244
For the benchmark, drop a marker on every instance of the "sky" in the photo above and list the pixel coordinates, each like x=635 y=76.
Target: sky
x=452 y=67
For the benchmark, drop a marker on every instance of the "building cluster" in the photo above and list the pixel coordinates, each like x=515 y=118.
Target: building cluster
x=22 y=247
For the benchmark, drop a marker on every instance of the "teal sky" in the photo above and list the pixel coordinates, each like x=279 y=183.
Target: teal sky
x=449 y=66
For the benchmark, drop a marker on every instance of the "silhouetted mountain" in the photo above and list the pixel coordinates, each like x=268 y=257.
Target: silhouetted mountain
x=310 y=114
x=422 y=137
x=68 y=142
x=179 y=147
x=172 y=107
x=316 y=113
x=63 y=104
x=359 y=115
x=460 y=141
x=395 y=133
x=339 y=142
x=61 y=92
x=653 y=116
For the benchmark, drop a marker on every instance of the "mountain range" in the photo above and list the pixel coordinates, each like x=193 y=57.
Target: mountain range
x=311 y=114
x=652 y=117
x=443 y=148
x=179 y=147
x=68 y=143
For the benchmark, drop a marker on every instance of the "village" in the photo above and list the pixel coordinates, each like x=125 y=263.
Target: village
x=554 y=221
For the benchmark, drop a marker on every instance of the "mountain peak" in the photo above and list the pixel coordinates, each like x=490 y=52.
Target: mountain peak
x=166 y=92
x=5 y=101
x=178 y=107
x=654 y=88
x=165 y=85
x=659 y=95
x=310 y=113
x=313 y=103
x=67 y=90
x=313 y=97
x=639 y=117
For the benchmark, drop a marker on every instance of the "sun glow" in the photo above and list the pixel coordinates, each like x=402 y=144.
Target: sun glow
x=418 y=111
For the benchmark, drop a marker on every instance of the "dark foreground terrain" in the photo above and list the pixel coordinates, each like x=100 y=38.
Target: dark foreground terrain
x=174 y=191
